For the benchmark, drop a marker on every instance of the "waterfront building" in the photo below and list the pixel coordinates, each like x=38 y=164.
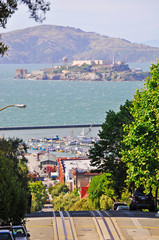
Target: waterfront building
x=20 y=73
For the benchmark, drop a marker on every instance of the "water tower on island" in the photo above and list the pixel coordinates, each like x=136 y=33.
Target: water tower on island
x=65 y=61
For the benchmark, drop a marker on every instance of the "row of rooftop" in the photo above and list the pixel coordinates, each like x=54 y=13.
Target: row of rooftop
x=75 y=172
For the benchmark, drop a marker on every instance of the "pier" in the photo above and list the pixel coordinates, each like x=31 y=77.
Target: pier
x=49 y=127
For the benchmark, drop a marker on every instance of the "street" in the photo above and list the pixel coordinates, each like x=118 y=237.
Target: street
x=129 y=225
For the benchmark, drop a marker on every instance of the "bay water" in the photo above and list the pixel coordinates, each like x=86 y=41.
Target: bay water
x=58 y=102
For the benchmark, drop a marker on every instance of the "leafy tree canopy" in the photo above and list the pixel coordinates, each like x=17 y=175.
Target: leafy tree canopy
x=65 y=202
x=14 y=149
x=141 y=151
x=37 y=10
x=39 y=195
x=13 y=181
x=105 y=155
x=99 y=185
x=58 y=189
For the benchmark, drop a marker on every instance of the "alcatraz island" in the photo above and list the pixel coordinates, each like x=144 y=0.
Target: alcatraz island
x=86 y=70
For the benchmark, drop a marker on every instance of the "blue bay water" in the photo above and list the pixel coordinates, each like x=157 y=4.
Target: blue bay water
x=58 y=102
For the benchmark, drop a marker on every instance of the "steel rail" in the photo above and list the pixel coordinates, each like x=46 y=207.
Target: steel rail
x=93 y=214
x=113 y=224
x=63 y=224
x=106 y=224
x=57 y=235
x=69 y=218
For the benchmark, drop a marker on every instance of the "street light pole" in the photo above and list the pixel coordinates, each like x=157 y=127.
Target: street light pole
x=14 y=105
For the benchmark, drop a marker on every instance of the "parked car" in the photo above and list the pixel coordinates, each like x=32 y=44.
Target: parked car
x=6 y=233
x=142 y=201
x=20 y=233
x=122 y=207
x=116 y=204
x=157 y=214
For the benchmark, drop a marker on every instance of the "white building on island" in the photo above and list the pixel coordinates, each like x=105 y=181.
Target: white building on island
x=89 y=62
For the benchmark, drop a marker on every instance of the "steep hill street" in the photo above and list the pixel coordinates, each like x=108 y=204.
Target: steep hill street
x=122 y=225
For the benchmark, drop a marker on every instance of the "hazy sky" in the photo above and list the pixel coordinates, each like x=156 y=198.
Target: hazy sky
x=133 y=20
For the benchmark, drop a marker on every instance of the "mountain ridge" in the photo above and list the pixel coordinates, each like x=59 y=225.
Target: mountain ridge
x=44 y=43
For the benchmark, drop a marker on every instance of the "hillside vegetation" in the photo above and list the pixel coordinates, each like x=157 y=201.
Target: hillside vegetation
x=46 y=43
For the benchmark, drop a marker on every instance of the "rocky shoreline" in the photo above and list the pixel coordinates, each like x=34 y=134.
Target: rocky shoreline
x=117 y=72
x=112 y=76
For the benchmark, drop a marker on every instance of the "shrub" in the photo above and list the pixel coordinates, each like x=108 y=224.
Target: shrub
x=83 y=204
x=106 y=202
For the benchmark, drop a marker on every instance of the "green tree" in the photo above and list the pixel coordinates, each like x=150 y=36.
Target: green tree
x=13 y=179
x=37 y=10
x=58 y=189
x=69 y=200
x=63 y=200
x=3 y=48
x=14 y=150
x=141 y=140
x=39 y=195
x=105 y=155
x=99 y=185
x=58 y=202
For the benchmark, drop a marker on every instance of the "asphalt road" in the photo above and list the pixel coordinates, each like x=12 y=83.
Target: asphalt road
x=39 y=224
x=133 y=225
x=137 y=224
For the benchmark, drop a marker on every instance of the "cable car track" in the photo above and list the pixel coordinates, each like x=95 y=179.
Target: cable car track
x=117 y=232
x=104 y=232
x=76 y=225
x=56 y=235
x=67 y=226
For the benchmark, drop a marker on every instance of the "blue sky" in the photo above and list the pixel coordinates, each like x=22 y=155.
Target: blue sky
x=133 y=20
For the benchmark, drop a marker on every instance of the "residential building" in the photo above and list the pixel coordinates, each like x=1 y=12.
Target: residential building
x=74 y=172
x=81 y=180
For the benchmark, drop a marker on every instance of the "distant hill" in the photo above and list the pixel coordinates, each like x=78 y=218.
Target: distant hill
x=46 y=43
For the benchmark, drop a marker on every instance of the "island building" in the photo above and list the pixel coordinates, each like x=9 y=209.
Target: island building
x=21 y=73
x=89 y=62
x=42 y=74
x=100 y=70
